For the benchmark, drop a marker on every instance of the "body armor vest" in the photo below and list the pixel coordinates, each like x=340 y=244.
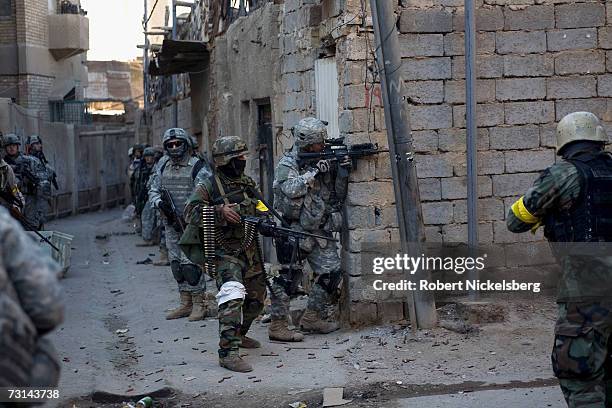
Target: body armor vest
x=590 y=218
x=179 y=182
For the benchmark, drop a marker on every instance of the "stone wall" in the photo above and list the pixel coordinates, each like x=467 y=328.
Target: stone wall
x=536 y=62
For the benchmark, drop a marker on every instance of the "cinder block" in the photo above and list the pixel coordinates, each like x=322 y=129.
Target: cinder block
x=490 y=162
x=437 y=213
x=383 y=167
x=454 y=140
x=362 y=313
x=580 y=62
x=578 y=15
x=514 y=137
x=505 y=185
x=609 y=61
x=487 y=66
x=429 y=189
x=430 y=117
x=426 y=68
x=571 y=87
x=599 y=106
x=454 y=91
x=455 y=233
x=530 y=18
x=434 y=165
x=604 y=85
x=528 y=160
x=520 y=113
x=605 y=37
x=374 y=193
x=454 y=43
x=354 y=73
x=573 y=39
x=487 y=114
x=390 y=311
x=425 y=141
x=360 y=217
x=421 y=45
x=509 y=2
x=489 y=209
x=487 y=19
x=425 y=91
x=454 y=188
x=528 y=65
x=517 y=89
x=433 y=20
x=501 y=235
x=355 y=96
x=548 y=135
x=521 y=42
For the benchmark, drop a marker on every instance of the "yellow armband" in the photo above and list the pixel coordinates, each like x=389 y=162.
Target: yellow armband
x=519 y=210
x=261 y=207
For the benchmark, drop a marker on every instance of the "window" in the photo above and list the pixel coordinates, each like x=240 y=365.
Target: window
x=5 y=8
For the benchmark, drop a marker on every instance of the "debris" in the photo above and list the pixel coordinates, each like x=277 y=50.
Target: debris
x=190 y=378
x=102 y=236
x=258 y=380
x=270 y=354
x=146 y=261
x=121 y=331
x=298 y=404
x=398 y=382
x=224 y=378
x=334 y=397
x=279 y=366
x=251 y=377
x=266 y=318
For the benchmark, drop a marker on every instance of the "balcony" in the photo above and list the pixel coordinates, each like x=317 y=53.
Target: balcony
x=68 y=35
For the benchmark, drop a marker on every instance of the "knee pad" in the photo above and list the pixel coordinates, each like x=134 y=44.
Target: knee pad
x=175 y=267
x=230 y=291
x=331 y=282
x=192 y=273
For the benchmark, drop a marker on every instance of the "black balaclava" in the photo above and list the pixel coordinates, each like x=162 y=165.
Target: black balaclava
x=235 y=168
x=580 y=146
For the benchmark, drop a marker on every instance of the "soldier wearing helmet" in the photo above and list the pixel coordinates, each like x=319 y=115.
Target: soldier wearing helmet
x=45 y=173
x=143 y=209
x=178 y=176
x=572 y=199
x=29 y=180
x=10 y=196
x=308 y=197
x=231 y=247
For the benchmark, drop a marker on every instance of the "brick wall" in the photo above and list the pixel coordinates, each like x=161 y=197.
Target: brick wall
x=535 y=63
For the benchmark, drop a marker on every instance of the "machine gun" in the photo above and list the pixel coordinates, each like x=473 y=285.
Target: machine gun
x=268 y=228
x=170 y=211
x=11 y=203
x=336 y=150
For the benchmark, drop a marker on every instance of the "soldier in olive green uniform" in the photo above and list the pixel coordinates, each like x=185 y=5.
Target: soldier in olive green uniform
x=572 y=199
x=231 y=247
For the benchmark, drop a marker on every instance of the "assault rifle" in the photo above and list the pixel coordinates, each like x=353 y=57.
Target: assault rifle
x=336 y=150
x=170 y=211
x=12 y=201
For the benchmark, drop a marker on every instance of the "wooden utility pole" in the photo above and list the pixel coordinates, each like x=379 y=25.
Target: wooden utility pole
x=407 y=199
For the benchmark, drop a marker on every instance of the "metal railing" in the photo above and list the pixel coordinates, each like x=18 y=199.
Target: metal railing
x=76 y=112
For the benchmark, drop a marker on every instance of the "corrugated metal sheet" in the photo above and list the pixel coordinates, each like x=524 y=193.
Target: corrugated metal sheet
x=326 y=79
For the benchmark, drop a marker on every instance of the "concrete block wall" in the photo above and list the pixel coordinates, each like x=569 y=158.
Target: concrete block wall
x=536 y=62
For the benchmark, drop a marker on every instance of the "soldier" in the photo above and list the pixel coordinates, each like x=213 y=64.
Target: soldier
x=143 y=207
x=571 y=199
x=30 y=307
x=309 y=199
x=216 y=206
x=10 y=196
x=178 y=176
x=26 y=170
x=45 y=174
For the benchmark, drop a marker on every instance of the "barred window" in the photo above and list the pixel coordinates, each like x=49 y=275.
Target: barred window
x=5 y=8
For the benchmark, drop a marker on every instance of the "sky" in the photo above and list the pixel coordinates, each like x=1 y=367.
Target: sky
x=115 y=29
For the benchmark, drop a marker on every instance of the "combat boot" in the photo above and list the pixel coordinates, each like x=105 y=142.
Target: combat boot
x=279 y=331
x=184 y=309
x=311 y=322
x=249 y=343
x=234 y=362
x=145 y=243
x=163 y=258
x=199 y=308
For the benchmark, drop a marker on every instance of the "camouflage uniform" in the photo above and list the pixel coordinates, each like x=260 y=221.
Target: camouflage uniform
x=309 y=201
x=178 y=176
x=143 y=207
x=30 y=307
x=8 y=186
x=45 y=174
x=28 y=170
x=237 y=258
x=581 y=353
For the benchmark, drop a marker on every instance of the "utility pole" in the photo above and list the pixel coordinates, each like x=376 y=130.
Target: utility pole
x=145 y=63
x=472 y=135
x=421 y=304
x=174 y=81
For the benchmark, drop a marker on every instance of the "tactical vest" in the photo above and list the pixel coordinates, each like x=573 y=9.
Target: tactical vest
x=590 y=218
x=179 y=182
x=234 y=191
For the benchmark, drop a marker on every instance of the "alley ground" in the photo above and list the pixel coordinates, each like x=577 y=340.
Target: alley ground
x=497 y=365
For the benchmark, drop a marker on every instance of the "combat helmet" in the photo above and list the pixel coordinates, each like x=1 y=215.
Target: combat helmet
x=309 y=131
x=148 y=151
x=11 y=139
x=33 y=139
x=226 y=148
x=579 y=126
x=180 y=134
